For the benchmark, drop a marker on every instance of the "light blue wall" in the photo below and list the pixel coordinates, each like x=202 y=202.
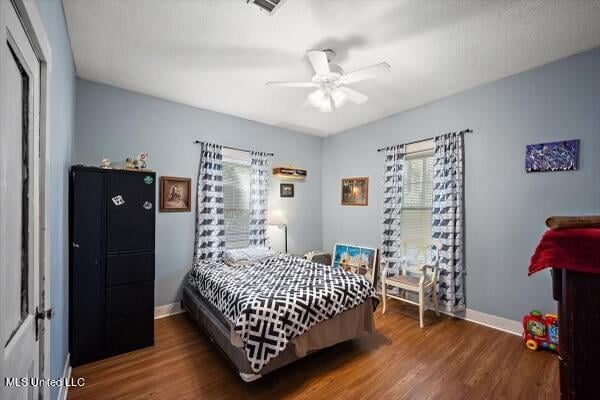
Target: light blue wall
x=62 y=119
x=115 y=123
x=505 y=207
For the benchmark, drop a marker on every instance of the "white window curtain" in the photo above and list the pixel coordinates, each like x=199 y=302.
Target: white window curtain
x=447 y=217
x=392 y=206
x=210 y=231
x=259 y=193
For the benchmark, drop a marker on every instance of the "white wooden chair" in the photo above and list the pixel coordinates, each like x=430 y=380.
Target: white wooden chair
x=425 y=284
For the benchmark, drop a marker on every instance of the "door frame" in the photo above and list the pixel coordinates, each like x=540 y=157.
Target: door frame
x=34 y=28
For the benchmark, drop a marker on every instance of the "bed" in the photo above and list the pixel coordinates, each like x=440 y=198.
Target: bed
x=272 y=312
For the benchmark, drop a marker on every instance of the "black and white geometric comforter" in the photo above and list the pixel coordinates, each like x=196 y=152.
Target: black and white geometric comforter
x=277 y=299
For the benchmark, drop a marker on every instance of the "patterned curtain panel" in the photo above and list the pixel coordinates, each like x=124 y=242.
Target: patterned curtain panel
x=210 y=222
x=447 y=217
x=392 y=204
x=259 y=193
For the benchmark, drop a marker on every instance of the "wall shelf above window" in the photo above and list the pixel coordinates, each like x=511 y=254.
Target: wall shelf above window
x=289 y=173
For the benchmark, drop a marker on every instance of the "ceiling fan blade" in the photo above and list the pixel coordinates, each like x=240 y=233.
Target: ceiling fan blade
x=318 y=59
x=365 y=73
x=353 y=95
x=293 y=84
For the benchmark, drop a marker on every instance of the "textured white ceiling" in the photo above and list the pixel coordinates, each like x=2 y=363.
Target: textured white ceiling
x=218 y=54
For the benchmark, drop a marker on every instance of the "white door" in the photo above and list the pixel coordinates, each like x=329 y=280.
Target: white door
x=19 y=209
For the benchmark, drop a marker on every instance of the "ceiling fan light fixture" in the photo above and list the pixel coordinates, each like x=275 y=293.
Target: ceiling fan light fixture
x=331 y=81
x=326 y=105
x=339 y=98
x=316 y=98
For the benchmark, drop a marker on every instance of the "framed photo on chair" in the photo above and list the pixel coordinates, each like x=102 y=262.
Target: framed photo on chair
x=357 y=259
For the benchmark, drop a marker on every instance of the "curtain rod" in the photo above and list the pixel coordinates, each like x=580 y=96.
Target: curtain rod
x=423 y=140
x=233 y=148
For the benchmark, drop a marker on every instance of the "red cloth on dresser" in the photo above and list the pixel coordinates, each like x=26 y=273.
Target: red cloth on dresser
x=576 y=249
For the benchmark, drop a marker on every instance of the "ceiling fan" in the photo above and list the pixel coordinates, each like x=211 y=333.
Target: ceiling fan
x=330 y=81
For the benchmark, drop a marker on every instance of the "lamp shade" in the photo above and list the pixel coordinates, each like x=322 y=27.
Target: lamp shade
x=326 y=105
x=316 y=98
x=339 y=98
x=276 y=217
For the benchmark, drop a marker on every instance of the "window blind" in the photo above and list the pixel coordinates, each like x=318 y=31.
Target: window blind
x=417 y=195
x=236 y=198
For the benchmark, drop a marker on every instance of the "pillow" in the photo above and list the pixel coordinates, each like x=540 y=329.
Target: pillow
x=248 y=253
x=234 y=255
x=236 y=264
x=259 y=253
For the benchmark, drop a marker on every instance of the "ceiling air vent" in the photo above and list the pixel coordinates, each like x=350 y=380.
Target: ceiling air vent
x=270 y=6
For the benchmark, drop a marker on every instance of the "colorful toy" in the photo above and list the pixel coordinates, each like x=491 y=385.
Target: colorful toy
x=540 y=331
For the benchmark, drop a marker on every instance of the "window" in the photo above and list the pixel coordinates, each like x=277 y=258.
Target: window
x=417 y=195
x=236 y=198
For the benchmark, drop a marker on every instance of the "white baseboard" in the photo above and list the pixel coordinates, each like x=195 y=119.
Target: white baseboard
x=489 y=320
x=167 y=310
x=64 y=389
x=478 y=317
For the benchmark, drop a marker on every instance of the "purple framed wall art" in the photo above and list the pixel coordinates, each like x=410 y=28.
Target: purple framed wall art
x=552 y=156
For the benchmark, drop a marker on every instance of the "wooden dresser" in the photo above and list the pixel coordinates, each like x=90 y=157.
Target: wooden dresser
x=111 y=280
x=578 y=296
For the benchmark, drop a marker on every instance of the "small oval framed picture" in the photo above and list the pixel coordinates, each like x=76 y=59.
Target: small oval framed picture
x=286 y=190
x=175 y=194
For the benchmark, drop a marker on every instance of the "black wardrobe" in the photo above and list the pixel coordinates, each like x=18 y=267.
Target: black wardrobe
x=111 y=280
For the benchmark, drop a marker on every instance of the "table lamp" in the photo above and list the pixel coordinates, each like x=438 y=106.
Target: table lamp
x=277 y=217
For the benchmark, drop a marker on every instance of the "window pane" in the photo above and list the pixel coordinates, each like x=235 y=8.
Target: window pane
x=418 y=182
x=236 y=197
x=415 y=216
x=415 y=226
x=16 y=221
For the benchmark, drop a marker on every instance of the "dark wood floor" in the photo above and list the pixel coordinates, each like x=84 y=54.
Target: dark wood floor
x=449 y=359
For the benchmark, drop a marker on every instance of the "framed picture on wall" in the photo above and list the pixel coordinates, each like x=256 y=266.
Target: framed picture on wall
x=552 y=156
x=286 y=190
x=175 y=194
x=355 y=191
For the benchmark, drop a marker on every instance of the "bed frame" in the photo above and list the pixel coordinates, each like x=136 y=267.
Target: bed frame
x=219 y=331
